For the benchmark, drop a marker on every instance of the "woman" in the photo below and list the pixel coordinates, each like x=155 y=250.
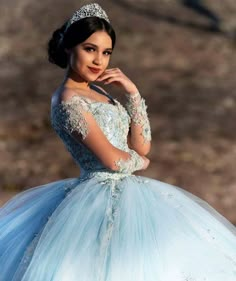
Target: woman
x=108 y=225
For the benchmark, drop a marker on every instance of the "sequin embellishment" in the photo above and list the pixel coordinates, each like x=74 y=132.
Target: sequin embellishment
x=137 y=110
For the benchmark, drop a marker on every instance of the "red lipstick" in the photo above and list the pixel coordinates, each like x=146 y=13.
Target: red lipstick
x=94 y=69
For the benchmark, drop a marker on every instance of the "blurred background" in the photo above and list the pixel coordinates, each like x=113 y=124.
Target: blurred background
x=182 y=56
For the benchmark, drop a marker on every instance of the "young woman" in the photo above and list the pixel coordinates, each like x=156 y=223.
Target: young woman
x=108 y=225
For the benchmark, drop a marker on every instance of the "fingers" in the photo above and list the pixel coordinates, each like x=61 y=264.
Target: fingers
x=111 y=80
x=109 y=73
x=115 y=69
x=107 y=76
x=117 y=77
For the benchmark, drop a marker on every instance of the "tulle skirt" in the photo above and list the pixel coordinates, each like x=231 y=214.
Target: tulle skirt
x=113 y=227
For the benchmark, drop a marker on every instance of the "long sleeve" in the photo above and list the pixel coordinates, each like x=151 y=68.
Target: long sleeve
x=77 y=120
x=140 y=125
x=134 y=163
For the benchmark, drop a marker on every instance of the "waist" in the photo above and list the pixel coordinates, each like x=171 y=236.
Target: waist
x=103 y=174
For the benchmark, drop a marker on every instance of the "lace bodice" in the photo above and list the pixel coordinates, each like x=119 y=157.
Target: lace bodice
x=113 y=120
x=78 y=117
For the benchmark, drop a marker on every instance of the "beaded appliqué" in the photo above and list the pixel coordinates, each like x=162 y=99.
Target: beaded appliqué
x=67 y=117
x=70 y=116
x=112 y=213
x=135 y=163
x=137 y=110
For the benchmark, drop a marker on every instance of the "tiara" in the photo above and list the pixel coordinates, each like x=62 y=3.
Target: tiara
x=89 y=10
x=86 y=11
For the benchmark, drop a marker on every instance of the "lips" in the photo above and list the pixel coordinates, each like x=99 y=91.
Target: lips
x=94 y=69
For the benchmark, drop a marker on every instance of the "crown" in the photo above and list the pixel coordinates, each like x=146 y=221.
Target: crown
x=86 y=11
x=89 y=10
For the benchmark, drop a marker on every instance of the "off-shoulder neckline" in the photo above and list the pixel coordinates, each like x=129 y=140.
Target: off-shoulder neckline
x=91 y=101
x=111 y=101
x=88 y=100
x=117 y=106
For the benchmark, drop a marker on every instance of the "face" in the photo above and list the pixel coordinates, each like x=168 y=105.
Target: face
x=90 y=58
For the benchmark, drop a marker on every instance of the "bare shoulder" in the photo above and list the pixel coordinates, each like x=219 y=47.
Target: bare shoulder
x=67 y=93
x=63 y=94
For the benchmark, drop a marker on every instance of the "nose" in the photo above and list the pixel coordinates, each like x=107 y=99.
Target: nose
x=97 y=58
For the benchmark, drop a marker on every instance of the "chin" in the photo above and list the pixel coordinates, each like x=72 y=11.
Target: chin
x=92 y=78
x=87 y=77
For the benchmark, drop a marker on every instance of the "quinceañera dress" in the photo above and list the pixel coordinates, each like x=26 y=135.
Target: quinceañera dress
x=111 y=225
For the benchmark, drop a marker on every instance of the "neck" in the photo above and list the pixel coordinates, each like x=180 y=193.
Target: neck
x=73 y=80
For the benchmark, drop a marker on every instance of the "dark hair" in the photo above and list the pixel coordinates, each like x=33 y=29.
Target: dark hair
x=77 y=33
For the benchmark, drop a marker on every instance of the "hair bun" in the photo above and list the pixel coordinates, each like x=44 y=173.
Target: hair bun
x=56 y=49
x=67 y=37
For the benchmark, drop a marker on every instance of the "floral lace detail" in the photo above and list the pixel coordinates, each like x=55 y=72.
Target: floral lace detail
x=112 y=213
x=137 y=110
x=135 y=163
x=104 y=176
x=71 y=117
x=113 y=120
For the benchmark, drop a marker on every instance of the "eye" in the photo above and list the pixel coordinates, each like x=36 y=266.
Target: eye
x=89 y=49
x=107 y=53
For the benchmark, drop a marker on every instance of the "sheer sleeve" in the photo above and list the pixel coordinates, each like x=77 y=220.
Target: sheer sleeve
x=78 y=121
x=72 y=119
x=137 y=109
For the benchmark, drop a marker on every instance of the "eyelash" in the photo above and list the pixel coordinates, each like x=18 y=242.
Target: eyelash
x=108 y=53
x=89 y=49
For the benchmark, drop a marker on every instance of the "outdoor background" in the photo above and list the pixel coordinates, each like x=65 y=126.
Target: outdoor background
x=181 y=56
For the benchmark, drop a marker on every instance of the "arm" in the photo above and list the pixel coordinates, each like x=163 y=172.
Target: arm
x=140 y=138
x=140 y=135
x=140 y=132
x=81 y=125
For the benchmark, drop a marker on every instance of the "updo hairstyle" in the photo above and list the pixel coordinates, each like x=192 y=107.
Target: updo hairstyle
x=77 y=33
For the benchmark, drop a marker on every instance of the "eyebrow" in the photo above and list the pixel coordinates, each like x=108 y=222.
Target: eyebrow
x=95 y=46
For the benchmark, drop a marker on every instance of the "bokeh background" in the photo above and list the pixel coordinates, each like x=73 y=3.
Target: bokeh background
x=182 y=56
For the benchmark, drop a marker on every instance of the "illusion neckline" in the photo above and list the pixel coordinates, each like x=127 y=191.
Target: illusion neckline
x=88 y=100
x=110 y=101
x=91 y=101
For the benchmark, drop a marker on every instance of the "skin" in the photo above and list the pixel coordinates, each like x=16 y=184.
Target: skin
x=94 y=52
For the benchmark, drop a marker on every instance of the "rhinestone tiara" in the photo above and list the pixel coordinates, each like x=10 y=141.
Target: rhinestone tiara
x=89 y=10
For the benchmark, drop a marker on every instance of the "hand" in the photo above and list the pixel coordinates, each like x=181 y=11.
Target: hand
x=146 y=162
x=117 y=77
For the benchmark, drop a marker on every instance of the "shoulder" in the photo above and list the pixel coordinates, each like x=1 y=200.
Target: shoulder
x=67 y=94
x=60 y=95
x=69 y=104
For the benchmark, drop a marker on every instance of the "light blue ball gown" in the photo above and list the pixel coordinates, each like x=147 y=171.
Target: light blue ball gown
x=111 y=226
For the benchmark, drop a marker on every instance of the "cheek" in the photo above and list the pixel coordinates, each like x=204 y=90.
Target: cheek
x=107 y=60
x=75 y=62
